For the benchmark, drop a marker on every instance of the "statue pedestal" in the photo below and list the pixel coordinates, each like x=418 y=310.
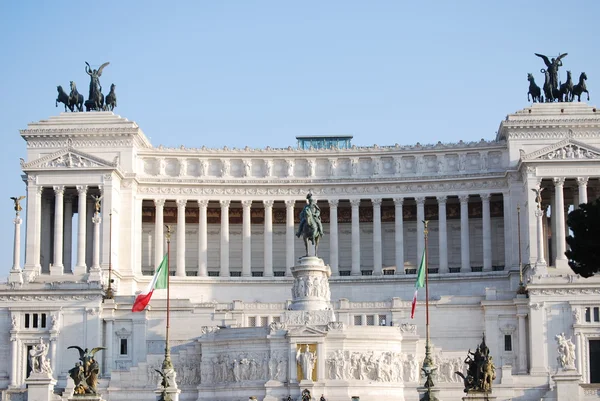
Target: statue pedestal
x=310 y=291
x=95 y=275
x=40 y=387
x=316 y=389
x=86 y=397
x=15 y=277
x=170 y=394
x=479 y=397
x=567 y=385
x=423 y=396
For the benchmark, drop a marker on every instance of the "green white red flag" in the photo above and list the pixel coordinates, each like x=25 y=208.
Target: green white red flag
x=419 y=284
x=159 y=282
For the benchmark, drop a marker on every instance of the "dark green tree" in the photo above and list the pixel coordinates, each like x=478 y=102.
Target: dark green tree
x=584 y=255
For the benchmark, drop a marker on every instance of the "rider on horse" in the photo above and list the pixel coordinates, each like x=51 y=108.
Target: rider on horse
x=314 y=210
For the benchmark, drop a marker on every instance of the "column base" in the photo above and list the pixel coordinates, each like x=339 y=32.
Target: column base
x=561 y=264
x=57 y=270
x=95 y=275
x=31 y=272
x=80 y=270
x=540 y=268
x=15 y=277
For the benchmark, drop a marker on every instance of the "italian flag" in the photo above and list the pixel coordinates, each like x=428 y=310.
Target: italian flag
x=419 y=284
x=159 y=282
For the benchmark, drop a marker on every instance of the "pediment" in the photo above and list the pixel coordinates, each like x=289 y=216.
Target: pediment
x=307 y=331
x=567 y=149
x=69 y=158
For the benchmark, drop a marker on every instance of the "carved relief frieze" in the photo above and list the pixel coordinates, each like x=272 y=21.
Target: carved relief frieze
x=379 y=366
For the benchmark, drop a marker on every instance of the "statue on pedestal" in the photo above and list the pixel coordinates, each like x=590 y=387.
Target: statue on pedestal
x=96 y=98
x=38 y=358
x=566 y=352
x=85 y=373
x=481 y=371
x=307 y=360
x=311 y=228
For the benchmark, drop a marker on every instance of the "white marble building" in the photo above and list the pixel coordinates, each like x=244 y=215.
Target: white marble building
x=234 y=213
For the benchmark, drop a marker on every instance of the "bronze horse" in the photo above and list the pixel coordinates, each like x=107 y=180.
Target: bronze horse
x=310 y=232
x=111 y=99
x=580 y=88
x=534 y=90
x=566 y=89
x=70 y=101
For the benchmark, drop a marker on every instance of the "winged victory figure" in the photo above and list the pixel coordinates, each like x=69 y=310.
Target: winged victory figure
x=87 y=370
x=96 y=97
x=552 y=66
x=17 y=201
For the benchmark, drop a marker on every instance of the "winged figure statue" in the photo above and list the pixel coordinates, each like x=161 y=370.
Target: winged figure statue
x=17 y=201
x=85 y=373
x=552 y=66
x=96 y=95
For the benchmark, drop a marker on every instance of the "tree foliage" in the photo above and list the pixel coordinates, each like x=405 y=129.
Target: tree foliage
x=584 y=255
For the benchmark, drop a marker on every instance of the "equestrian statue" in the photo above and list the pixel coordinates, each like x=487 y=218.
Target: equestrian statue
x=311 y=228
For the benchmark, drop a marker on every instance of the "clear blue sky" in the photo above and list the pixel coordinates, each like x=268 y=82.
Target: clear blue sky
x=258 y=73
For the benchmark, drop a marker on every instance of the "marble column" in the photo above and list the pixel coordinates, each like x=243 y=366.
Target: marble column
x=487 y=232
x=420 y=227
x=202 y=238
x=16 y=275
x=57 y=267
x=465 y=252
x=68 y=232
x=108 y=353
x=522 y=339
x=541 y=261
x=511 y=238
x=246 y=239
x=582 y=186
x=289 y=236
x=333 y=237
x=561 y=259
x=399 y=235
x=96 y=248
x=81 y=267
x=377 y=246
x=443 y=234
x=268 y=238
x=159 y=232
x=180 y=270
x=14 y=361
x=579 y=350
x=553 y=214
x=355 y=238
x=224 y=238
x=33 y=228
x=37 y=246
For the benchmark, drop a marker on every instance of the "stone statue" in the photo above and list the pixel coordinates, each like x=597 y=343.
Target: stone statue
x=97 y=202
x=566 y=352
x=96 y=98
x=17 y=201
x=311 y=228
x=552 y=67
x=85 y=373
x=481 y=371
x=38 y=358
x=306 y=395
x=538 y=196
x=307 y=361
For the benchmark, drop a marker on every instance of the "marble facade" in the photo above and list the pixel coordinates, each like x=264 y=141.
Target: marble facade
x=233 y=252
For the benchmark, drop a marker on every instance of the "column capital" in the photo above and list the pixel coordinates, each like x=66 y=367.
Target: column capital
x=159 y=202
x=354 y=202
x=202 y=202
x=559 y=181
x=581 y=181
x=81 y=189
x=246 y=203
x=59 y=189
x=420 y=200
x=485 y=197
x=181 y=202
x=290 y=203
x=463 y=198
x=376 y=202
x=225 y=202
x=39 y=190
x=398 y=201
x=441 y=199
x=268 y=203
x=333 y=202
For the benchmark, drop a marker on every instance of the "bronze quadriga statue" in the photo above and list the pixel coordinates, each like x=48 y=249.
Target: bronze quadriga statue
x=481 y=371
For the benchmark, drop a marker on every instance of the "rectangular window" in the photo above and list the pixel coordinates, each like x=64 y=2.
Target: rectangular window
x=366 y=272
x=358 y=320
x=264 y=321
x=213 y=274
x=382 y=320
x=279 y=273
x=191 y=273
x=507 y=342
x=123 y=350
x=43 y=326
x=344 y=272
x=235 y=274
x=370 y=320
x=257 y=274
x=594 y=361
x=27 y=321
x=35 y=321
x=596 y=314
x=588 y=315
x=252 y=321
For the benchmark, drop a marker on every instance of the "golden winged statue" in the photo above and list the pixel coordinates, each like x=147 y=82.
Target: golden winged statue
x=17 y=201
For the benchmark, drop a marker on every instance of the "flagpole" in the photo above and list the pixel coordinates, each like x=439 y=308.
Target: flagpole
x=428 y=367
x=167 y=364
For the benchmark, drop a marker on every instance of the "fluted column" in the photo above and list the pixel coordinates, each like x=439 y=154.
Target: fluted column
x=582 y=186
x=522 y=361
x=159 y=253
x=181 y=237
x=561 y=259
x=487 y=232
x=224 y=238
x=68 y=232
x=246 y=239
x=377 y=248
x=333 y=237
x=57 y=266
x=268 y=238
x=355 y=238
x=465 y=255
x=443 y=234
x=202 y=239
x=399 y=235
x=289 y=236
x=81 y=268
x=420 y=227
